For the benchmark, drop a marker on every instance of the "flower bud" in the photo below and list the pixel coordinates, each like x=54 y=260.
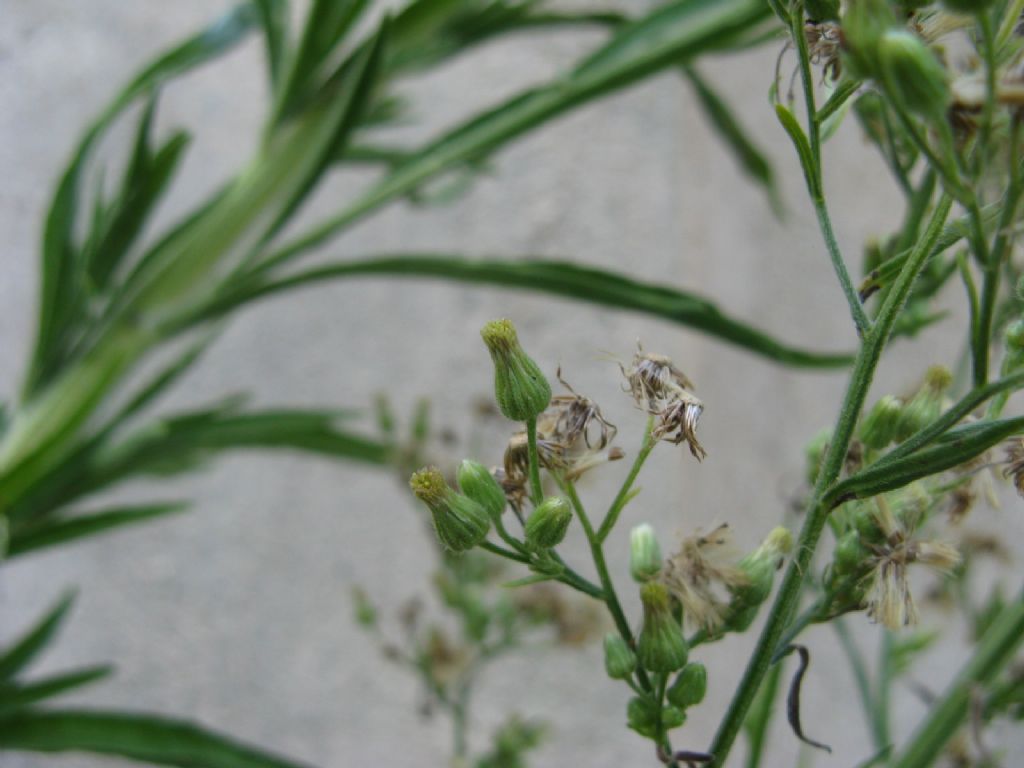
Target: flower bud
x=672 y=717
x=913 y=74
x=880 y=426
x=759 y=567
x=850 y=556
x=460 y=522
x=619 y=659
x=642 y=716
x=1014 y=336
x=863 y=24
x=479 y=484
x=546 y=526
x=660 y=646
x=520 y=388
x=644 y=553
x=926 y=405
x=690 y=686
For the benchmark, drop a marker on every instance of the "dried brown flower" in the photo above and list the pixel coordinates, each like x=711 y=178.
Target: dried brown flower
x=1015 y=464
x=701 y=573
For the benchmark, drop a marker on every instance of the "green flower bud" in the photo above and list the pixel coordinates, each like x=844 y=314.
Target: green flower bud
x=690 y=686
x=815 y=452
x=459 y=521
x=913 y=74
x=644 y=553
x=926 y=405
x=672 y=717
x=479 y=485
x=1014 y=335
x=619 y=659
x=519 y=386
x=863 y=25
x=760 y=567
x=642 y=716
x=850 y=555
x=547 y=524
x=880 y=426
x=660 y=646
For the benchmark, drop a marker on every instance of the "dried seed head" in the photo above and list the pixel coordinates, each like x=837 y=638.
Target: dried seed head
x=677 y=423
x=701 y=574
x=517 y=455
x=578 y=465
x=653 y=379
x=575 y=421
x=1015 y=464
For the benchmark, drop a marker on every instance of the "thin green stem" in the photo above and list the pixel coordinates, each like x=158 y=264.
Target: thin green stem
x=883 y=691
x=536 y=492
x=601 y=565
x=502 y=552
x=860 y=317
x=996 y=649
x=789 y=592
x=623 y=496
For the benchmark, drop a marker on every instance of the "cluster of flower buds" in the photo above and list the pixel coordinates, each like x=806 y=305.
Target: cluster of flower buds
x=460 y=522
x=664 y=391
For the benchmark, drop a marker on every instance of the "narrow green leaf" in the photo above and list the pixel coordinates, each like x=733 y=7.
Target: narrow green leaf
x=327 y=25
x=563 y=279
x=840 y=96
x=273 y=16
x=728 y=128
x=952 y=449
x=13 y=697
x=803 y=148
x=677 y=32
x=60 y=301
x=61 y=530
x=17 y=656
x=145 y=738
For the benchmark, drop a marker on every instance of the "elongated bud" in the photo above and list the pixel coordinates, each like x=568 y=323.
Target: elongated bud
x=759 y=567
x=660 y=646
x=460 y=522
x=619 y=659
x=547 y=524
x=690 y=686
x=479 y=484
x=520 y=388
x=926 y=405
x=913 y=74
x=644 y=553
x=863 y=25
x=882 y=423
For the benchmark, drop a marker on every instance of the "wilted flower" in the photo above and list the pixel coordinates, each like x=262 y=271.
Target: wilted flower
x=1015 y=464
x=823 y=44
x=888 y=598
x=571 y=417
x=677 y=423
x=701 y=574
x=551 y=455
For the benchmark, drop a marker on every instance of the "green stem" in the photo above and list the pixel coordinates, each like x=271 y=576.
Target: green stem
x=860 y=678
x=536 y=492
x=789 y=592
x=624 y=492
x=993 y=653
x=502 y=552
x=610 y=597
x=883 y=692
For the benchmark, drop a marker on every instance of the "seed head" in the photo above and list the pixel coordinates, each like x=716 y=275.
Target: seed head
x=701 y=574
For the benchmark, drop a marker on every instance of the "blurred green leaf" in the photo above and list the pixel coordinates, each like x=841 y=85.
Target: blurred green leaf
x=17 y=656
x=729 y=129
x=120 y=223
x=904 y=649
x=150 y=739
x=61 y=294
x=955 y=447
x=675 y=33
x=61 y=530
x=273 y=16
x=18 y=696
x=562 y=279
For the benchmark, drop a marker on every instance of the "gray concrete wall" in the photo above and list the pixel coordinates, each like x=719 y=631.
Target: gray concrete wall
x=238 y=614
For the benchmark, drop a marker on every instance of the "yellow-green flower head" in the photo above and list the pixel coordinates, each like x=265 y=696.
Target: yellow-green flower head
x=460 y=522
x=476 y=481
x=926 y=404
x=760 y=567
x=913 y=74
x=882 y=423
x=547 y=524
x=619 y=659
x=520 y=388
x=660 y=647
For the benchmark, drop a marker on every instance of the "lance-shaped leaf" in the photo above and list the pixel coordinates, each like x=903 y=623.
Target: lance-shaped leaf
x=273 y=18
x=562 y=279
x=955 y=447
x=144 y=738
x=674 y=33
x=61 y=297
x=18 y=655
x=53 y=530
x=18 y=696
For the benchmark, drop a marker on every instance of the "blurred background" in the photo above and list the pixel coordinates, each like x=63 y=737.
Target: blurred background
x=239 y=612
